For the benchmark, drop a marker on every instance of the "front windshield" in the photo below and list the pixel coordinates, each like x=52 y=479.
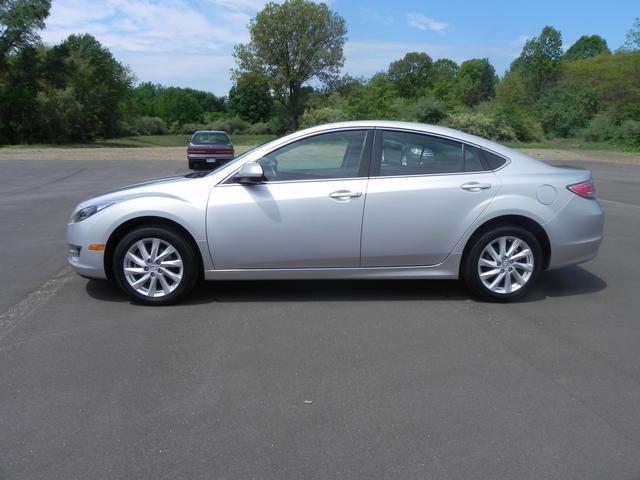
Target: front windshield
x=210 y=137
x=239 y=157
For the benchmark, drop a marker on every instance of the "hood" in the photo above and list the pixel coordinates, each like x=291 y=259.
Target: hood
x=176 y=187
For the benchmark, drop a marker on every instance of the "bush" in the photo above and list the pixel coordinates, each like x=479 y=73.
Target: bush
x=604 y=128
x=526 y=127
x=427 y=109
x=318 y=116
x=481 y=125
x=230 y=125
x=189 y=128
x=566 y=111
x=260 y=128
x=144 y=126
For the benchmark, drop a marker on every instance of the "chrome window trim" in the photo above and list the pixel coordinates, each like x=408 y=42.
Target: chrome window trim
x=274 y=182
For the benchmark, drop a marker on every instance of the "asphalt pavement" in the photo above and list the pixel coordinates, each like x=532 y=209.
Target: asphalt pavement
x=315 y=379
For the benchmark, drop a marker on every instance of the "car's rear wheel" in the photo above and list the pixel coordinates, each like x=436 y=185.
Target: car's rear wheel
x=155 y=266
x=503 y=264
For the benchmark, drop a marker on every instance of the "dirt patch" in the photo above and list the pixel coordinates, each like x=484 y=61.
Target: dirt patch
x=583 y=155
x=100 y=154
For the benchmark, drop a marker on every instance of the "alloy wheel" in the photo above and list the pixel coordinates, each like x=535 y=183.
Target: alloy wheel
x=505 y=265
x=153 y=267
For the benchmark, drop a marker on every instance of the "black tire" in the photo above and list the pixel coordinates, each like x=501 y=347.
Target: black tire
x=193 y=165
x=470 y=270
x=191 y=264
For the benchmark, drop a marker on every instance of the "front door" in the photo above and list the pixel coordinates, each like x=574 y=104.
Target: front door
x=307 y=213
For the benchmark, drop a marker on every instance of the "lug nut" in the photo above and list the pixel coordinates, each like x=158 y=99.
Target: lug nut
x=159 y=270
x=146 y=269
x=157 y=262
x=153 y=274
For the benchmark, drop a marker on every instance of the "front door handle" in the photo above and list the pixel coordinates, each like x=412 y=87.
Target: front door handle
x=344 y=194
x=475 y=186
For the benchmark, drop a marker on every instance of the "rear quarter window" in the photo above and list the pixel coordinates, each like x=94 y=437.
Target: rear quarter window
x=494 y=161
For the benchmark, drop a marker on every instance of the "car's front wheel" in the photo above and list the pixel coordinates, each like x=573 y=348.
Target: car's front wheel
x=503 y=264
x=155 y=266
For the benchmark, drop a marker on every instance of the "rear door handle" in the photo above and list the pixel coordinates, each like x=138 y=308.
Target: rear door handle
x=344 y=194
x=475 y=186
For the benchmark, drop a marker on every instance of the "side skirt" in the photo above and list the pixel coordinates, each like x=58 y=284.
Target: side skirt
x=446 y=270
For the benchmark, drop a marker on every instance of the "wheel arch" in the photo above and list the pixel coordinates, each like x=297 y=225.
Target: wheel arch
x=145 y=221
x=527 y=223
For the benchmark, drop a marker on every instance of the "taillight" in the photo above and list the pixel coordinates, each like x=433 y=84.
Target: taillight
x=584 y=189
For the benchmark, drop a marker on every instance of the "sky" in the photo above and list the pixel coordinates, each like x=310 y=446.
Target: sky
x=189 y=43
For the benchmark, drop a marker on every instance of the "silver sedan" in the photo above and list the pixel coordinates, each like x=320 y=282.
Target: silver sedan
x=368 y=199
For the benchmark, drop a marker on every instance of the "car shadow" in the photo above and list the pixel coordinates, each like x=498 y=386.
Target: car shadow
x=564 y=282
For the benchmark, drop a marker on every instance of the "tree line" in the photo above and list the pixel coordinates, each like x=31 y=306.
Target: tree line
x=77 y=91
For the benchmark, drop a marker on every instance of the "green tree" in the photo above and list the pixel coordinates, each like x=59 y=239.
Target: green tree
x=411 y=74
x=444 y=74
x=144 y=99
x=19 y=22
x=476 y=81
x=292 y=43
x=99 y=82
x=343 y=85
x=175 y=105
x=539 y=62
x=587 y=46
x=374 y=100
x=632 y=40
x=207 y=100
x=18 y=91
x=250 y=97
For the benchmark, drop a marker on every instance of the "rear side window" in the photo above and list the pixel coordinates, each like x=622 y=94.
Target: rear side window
x=404 y=153
x=472 y=159
x=493 y=161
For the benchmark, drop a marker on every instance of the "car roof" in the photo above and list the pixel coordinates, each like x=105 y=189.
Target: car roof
x=210 y=131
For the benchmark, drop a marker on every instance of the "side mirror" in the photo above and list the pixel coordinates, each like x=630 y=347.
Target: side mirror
x=250 y=173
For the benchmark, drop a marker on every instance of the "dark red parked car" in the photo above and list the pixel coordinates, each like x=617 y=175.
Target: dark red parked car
x=209 y=149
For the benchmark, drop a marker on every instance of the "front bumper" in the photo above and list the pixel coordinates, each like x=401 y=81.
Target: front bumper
x=88 y=263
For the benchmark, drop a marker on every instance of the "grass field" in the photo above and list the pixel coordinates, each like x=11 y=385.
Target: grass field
x=146 y=141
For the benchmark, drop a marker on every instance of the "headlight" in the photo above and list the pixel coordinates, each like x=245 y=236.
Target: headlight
x=86 y=212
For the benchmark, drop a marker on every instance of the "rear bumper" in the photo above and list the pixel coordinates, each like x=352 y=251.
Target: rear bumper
x=576 y=232
x=204 y=156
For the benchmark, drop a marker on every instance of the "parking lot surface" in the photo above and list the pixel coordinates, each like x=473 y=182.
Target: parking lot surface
x=316 y=379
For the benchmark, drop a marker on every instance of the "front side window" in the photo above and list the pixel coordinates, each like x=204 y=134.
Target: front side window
x=325 y=156
x=405 y=153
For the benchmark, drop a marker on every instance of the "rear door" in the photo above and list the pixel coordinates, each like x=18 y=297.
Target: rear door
x=424 y=192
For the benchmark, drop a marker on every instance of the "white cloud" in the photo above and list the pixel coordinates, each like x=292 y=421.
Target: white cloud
x=175 y=42
x=422 y=22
